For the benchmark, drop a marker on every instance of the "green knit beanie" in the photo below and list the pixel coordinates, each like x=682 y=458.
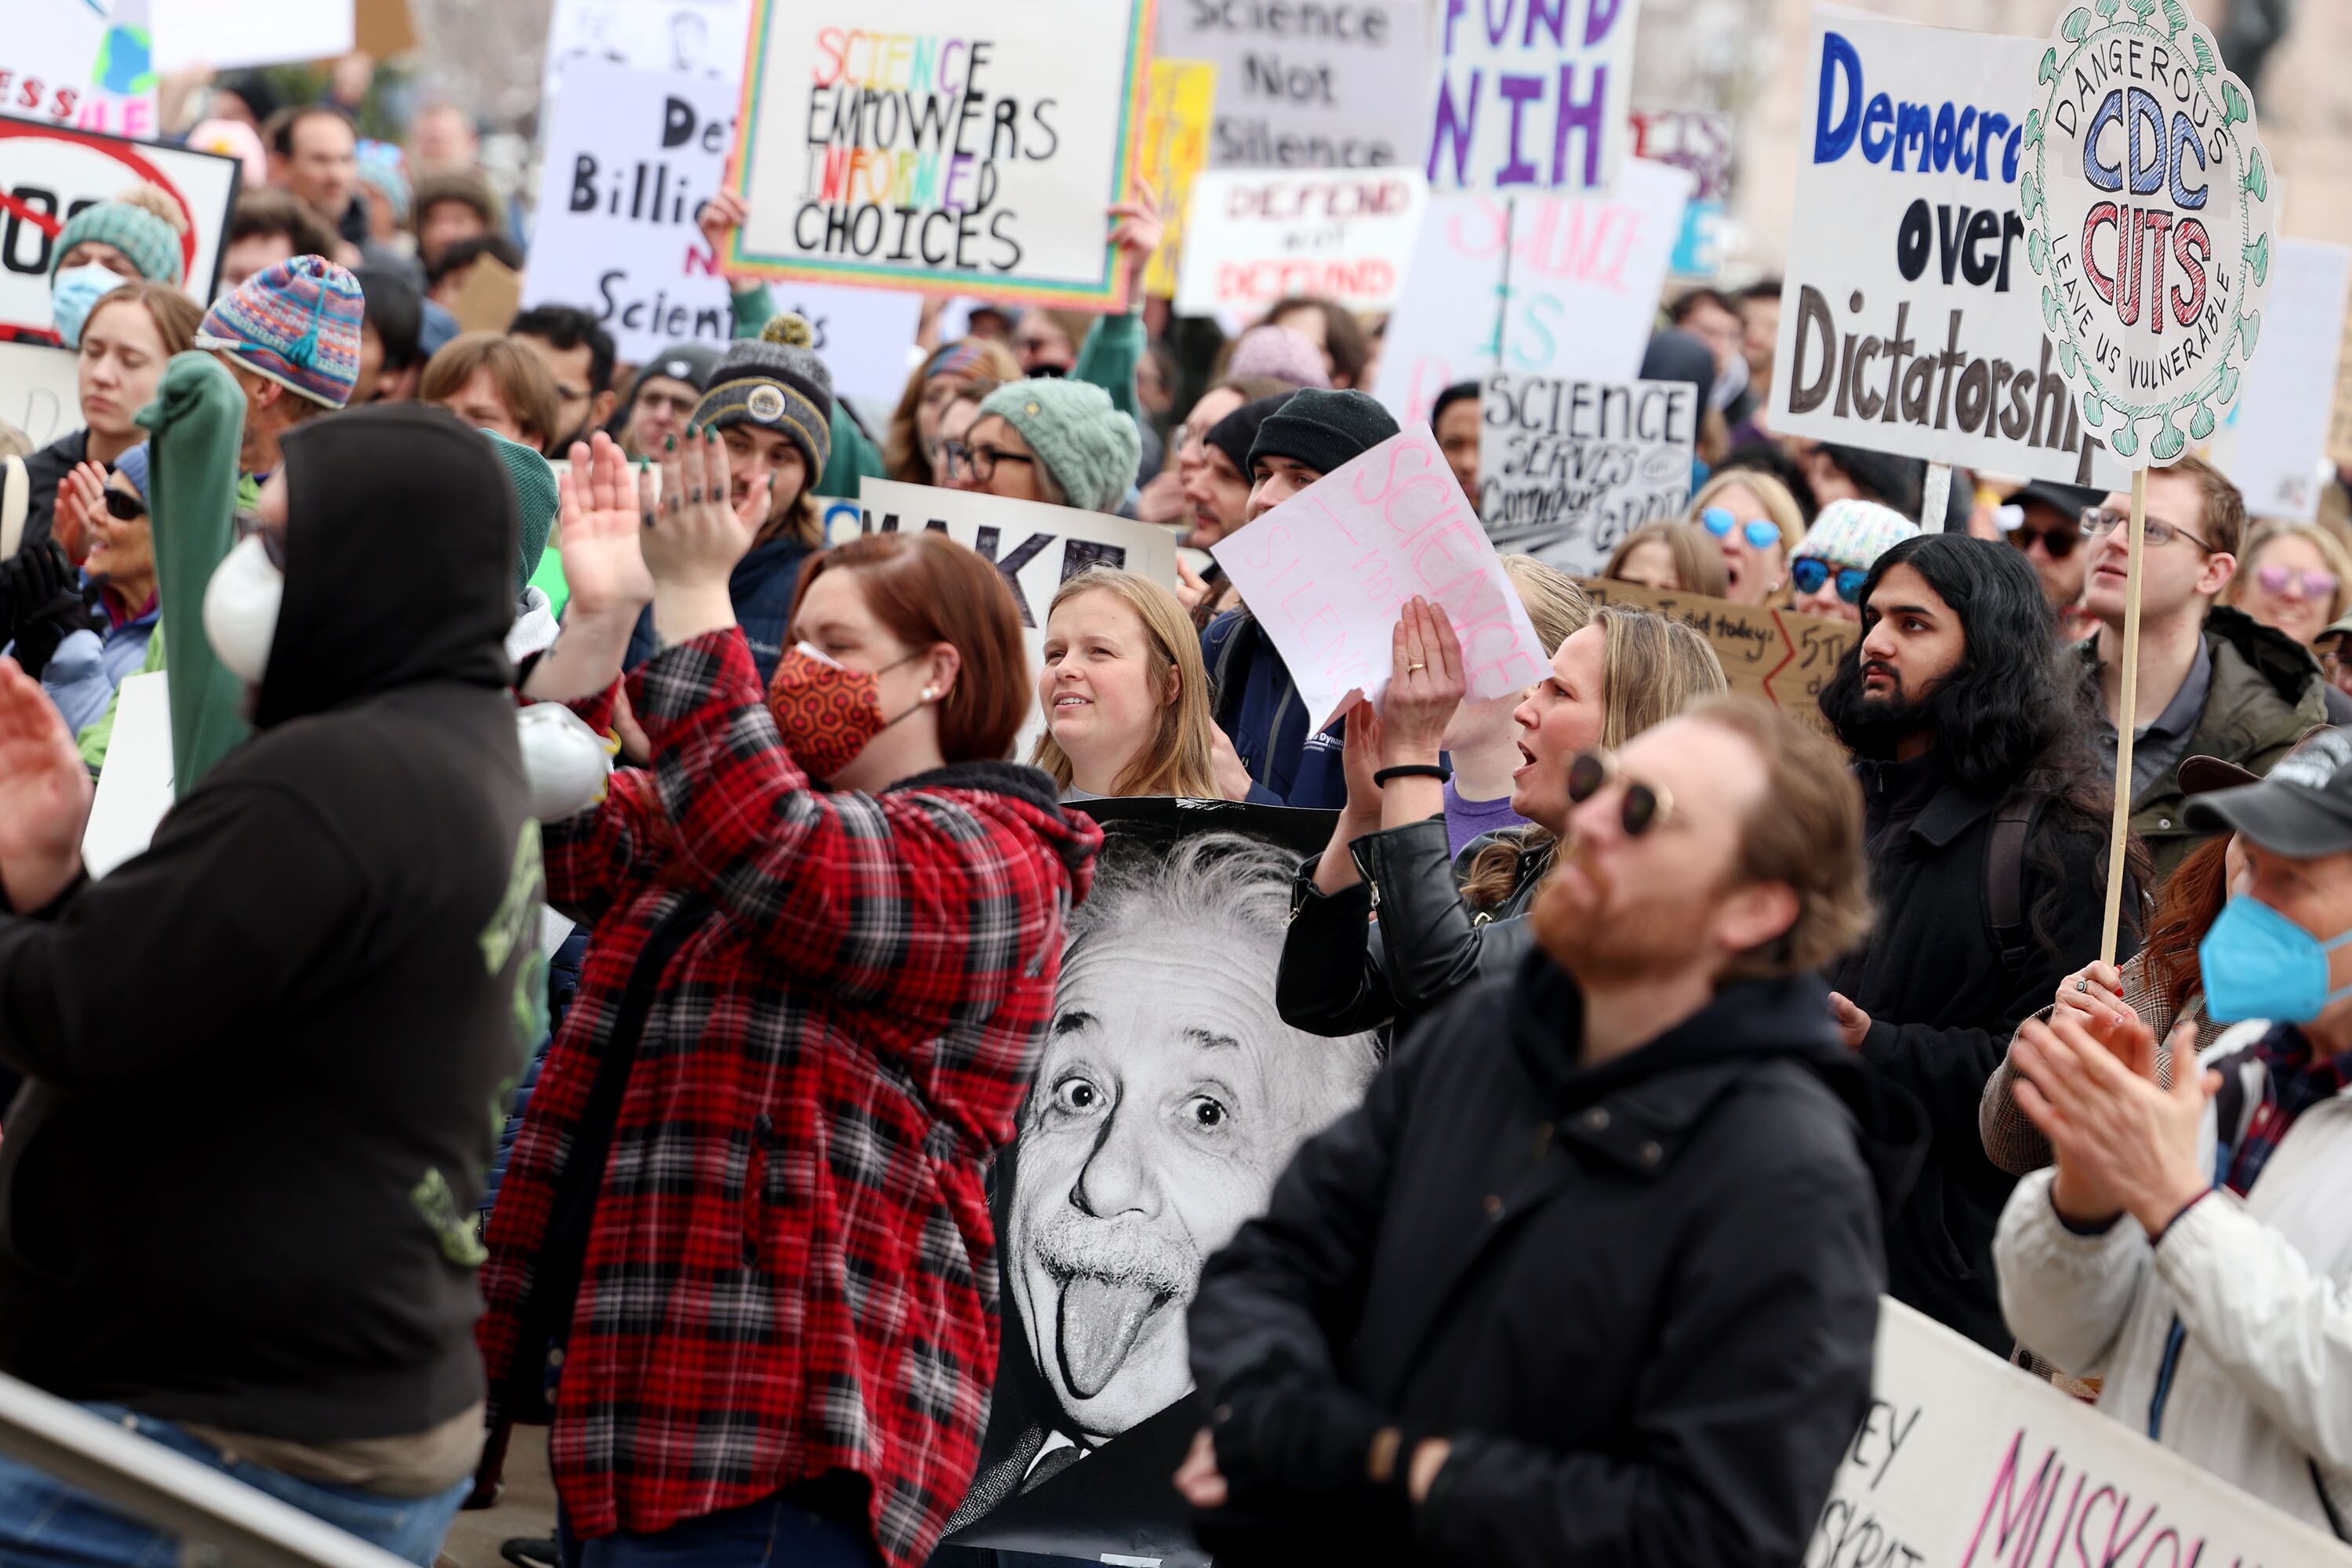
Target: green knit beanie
x=535 y=503
x=153 y=245
x=1091 y=449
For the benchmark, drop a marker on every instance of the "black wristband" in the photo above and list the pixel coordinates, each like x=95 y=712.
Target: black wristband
x=1437 y=770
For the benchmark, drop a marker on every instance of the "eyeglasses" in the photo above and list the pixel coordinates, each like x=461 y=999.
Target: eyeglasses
x=1646 y=805
x=981 y=462
x=2059 y=541
x=2274 y=580
x=124 y=507
x=247 y=525
x=1810 y=572
x=2098 y=521
x=1761 y=534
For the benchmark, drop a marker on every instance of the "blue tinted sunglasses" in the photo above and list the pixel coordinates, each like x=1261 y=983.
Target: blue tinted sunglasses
x=1761 y=534
x=1810 y=572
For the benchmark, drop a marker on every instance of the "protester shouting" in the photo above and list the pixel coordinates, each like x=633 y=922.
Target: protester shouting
x=2191 y=1247
x=1830 y=567
x=1592 y=1275
x=1988 y=833
x=240 y=1223
x=1391 y=919
x=1672 y=557
x=781 y=966
x=1754 y=521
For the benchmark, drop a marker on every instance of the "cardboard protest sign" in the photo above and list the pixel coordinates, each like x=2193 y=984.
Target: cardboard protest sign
x=1911 y=322
x=1327 y=571
x=2145 y=151
x=1165 y=999
x=229 y=33
x=1531 y=94
x=1558 y=286
x=40 y=391
x=1309 y=86
x=2273 y=446
x=1253 y=238
x=1179 y=98
x=486 y=300
x=78 y=65
x=1568 y=469
x=1035 y=546
x=932 y=145
x=682 y=37
x=1782 y=657
x=1965 y=1462
x=49 y=172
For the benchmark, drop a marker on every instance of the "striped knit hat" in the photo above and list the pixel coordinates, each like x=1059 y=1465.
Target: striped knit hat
x=135 y=228
x=295 y=321
x=775 y=381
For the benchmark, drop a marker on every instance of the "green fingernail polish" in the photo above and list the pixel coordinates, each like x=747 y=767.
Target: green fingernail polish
x=672 y=446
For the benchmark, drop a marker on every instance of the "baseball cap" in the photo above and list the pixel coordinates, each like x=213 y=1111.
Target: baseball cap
x=2302 y=810
x=2068 y=501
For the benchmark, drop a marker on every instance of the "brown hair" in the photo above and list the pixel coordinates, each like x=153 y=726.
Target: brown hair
x=1344 y=337
x=2221 y=509
x=1556 y=607
x=1805 y=834
x=176 y=317
x=271 y=212
x=928 y=589
x=1698 y=562
x=2186 y=909
x=1176 y=759
x=2331 y=552
x=903 y=451
x=525 y=384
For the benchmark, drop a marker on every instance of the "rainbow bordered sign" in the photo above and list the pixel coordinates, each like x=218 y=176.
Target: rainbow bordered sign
x=941 y=145
x=2149 y=205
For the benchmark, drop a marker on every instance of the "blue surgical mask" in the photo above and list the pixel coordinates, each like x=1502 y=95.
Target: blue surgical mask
x=2257 y=963
x=76 y=291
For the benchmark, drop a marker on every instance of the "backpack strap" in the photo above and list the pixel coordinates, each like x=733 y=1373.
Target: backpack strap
x=2005 y=883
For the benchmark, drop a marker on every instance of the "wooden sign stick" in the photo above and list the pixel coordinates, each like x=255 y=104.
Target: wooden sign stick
x=2126 y=720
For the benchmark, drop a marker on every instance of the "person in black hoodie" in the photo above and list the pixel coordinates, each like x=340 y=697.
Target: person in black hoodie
x=1593 y=1276
x=1988 y=825
x=236 y=1193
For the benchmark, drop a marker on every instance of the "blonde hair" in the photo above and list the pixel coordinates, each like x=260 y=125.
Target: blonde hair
x=1699 y=563
x=2331 y=553
x=1176 y=759
x=1779 y=505
x=1556 y=607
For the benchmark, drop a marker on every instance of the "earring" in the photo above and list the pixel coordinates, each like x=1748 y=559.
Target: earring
x=927 y=695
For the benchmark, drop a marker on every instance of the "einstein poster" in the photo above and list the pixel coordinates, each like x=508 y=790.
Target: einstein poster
x=1169 y=1096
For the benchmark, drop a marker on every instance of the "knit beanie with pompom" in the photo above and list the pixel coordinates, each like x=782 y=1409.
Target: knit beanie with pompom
x=776 y=382
x=144 y=223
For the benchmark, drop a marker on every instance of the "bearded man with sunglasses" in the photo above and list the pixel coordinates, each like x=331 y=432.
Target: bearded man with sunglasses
x=1591 y=1275
x=2213 y=680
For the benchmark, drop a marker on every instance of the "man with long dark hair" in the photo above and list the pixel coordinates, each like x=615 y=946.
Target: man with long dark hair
x=1986 y=817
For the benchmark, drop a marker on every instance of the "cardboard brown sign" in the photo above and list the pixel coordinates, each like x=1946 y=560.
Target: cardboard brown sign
x=1779 y=655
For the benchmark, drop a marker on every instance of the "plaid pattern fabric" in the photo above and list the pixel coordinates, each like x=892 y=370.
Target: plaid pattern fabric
x=791 y=1267
x=2292 y=1082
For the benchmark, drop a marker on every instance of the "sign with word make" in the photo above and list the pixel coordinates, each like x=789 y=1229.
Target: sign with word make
x=1532 y=95
x=1568 y=469
x=939 y=145
x=1253 y=239
x=1309 y=84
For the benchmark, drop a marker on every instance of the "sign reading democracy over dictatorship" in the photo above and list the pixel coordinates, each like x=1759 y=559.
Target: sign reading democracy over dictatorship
x=1558 y=286
x=941 y=145
x=1568 y=469
x=1965 y=1462
x=1253 y=239
x=1781 y=656
x=1177 y=101
x=1531 y=94
x=1327 y=571
x=1309 y=84
x=2150 y=206
x=49 y=172
x=1911 y=322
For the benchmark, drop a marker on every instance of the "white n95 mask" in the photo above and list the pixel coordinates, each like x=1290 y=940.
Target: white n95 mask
x=565 y=761
x=241 y=604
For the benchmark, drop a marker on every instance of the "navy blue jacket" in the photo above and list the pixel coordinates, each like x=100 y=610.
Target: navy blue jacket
x=761 y=585
x=1258 y=707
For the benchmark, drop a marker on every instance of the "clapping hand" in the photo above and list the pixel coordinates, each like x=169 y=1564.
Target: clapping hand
x=693 y=539
x=82 y=496
x=44 y=794
x=2125 y=1143
x=602 y=506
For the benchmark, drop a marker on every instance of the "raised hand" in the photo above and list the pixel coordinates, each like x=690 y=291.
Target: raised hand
x=1426 y=685
x=2123 y=1142
x=695 y=537
x=603 y=510
x=82 y=496
x=1136 y=234
x=44 y=794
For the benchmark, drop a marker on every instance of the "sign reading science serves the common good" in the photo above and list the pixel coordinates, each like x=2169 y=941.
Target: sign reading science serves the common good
x=1911 y=321
x=942 y=146
x=1252 y=240
x=1568 y=469
x=1323 y=84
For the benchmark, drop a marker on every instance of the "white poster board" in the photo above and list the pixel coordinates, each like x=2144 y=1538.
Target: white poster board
x=1252 y=238
x=1965 y=1462
x=85 y=65
x=1299 y=87
x=228 y=35
x=1327 y=571
x=134 y=790
x=1532 y=95
x=48 y=173
x=1577 y=296
x=2273 y=446
x=864 y=335
x=938 y=145
x=40 y=391
x=1568 y=469
x=1911 y=322
x=1035 y=546
x=679 y=38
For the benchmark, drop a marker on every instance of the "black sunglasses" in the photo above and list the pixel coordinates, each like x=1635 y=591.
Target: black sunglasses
x=122 y=506
x=1646 y=805
x=2060 y=540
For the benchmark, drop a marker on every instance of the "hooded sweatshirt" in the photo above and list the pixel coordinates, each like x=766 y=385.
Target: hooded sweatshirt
x=265 y=1054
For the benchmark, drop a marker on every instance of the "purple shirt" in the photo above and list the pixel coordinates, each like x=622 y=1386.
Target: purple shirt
x=1466 y=819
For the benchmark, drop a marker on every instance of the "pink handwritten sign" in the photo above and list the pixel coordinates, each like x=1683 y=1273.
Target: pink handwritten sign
x=1327 y=571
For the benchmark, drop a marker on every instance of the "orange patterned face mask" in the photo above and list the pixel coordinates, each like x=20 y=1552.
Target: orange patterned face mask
x=826 y=713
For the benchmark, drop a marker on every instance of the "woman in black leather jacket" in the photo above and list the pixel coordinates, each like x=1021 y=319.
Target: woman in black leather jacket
x=1352 y=961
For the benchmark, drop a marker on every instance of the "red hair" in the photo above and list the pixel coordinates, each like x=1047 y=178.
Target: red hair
x=2185 y=910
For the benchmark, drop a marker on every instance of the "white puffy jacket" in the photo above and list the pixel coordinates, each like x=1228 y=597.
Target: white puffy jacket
x=2261 y=1387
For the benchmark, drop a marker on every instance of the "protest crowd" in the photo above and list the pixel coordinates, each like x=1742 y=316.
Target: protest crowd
x=966 y=925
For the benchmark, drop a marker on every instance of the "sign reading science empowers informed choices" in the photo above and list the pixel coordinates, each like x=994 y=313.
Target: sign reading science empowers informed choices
x=1911 y=322
x=941 y=144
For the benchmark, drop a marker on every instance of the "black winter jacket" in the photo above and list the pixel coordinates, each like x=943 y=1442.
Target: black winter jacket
x=1638 y=1298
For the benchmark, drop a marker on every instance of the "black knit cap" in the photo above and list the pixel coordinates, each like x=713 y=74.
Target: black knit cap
x=1323 y=430
x=1236 y=433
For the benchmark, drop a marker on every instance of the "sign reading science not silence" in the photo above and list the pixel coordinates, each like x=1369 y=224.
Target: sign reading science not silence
x=942 y=145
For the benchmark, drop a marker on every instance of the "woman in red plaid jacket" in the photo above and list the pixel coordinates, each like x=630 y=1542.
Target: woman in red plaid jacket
x=742 y=1260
